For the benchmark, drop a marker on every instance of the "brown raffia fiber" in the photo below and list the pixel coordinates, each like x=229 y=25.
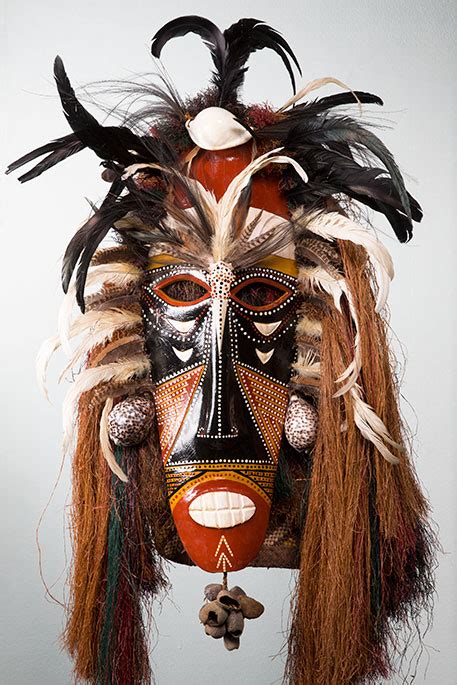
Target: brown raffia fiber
x=91 y=502
x=364 y=563
x=140 y=510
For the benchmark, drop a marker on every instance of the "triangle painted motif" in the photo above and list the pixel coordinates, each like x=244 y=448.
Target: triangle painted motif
x=268 y=402
x=172 y=400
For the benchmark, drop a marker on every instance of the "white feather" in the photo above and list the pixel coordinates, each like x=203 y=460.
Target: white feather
x=368 y=422
x=308 y=365
x=118 y=372
x=134 y=168
x=314 y=85
x=319 y=278
x=334 y=226
x=310 y=327
x=228 y=202
x=221 y=212
x=47 y=349
x=116 y=273
x=372 y=427
x=105 y=442
x=100 y=332
x=108 y=321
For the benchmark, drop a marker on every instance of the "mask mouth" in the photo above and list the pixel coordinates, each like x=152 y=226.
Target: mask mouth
x=221 y=509
x=222 y=521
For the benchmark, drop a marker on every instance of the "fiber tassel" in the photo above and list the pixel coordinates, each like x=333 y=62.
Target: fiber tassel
x=90 y=513
x=133 y=577
x=116 y=569
x=105 y=674
x=367 y=552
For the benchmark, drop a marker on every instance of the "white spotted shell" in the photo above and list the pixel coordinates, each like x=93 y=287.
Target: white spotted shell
x=301 y=422
x=215 y=128
x=130 y=421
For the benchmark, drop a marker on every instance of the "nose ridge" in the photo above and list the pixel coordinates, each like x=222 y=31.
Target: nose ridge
x=219 y=314
x=217 y=418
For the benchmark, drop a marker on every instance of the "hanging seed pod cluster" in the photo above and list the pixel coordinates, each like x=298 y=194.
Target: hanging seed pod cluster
x=224 y=613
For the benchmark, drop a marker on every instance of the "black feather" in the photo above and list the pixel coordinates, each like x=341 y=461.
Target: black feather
x=329 y=102
x=98 y=229
x=166 y=102
x=76 y=115
x=229 y=50
x=332 y=173
x=113 y=143
x=327 y=130
x=400 y=223
x=244 y=38
x=56 y=151
x=310 y=110
x=281 y=128
x=91 y=228
x=211 y=35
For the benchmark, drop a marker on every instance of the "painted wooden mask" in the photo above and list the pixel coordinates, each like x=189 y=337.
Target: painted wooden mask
x=221 y=344
x=234 y=402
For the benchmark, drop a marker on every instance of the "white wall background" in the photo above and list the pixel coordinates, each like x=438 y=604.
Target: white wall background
x=404 y=51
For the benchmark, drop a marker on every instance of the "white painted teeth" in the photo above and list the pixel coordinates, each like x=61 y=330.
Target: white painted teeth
x=183 y=355
x=182 y=326
x=264 y=356
x=267 y=328
x=221 y=509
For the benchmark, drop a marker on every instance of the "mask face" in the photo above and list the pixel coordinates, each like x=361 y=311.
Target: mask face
x=221 y=345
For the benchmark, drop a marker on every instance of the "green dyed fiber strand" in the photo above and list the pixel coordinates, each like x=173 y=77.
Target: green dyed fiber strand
x=114 y=550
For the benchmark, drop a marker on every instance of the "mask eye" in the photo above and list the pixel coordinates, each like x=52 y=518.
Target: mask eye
x=182 y=290
x=260 y=293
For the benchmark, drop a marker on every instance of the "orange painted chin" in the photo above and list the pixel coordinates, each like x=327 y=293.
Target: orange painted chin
x=222 y=549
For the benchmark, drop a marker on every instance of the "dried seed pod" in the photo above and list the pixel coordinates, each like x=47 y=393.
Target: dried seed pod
x=250 y=607
x=237 y=592
x=235 y=623
x=231 y=642
x=212 y=590
x=216 y=631
x=213 y=614
x=130 y=421
x=228 y=599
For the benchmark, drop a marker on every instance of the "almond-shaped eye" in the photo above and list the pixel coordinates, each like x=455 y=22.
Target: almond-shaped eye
x=182 y=290
x=260 y=293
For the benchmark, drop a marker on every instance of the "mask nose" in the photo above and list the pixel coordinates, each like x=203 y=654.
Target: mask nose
x=219 y=385
x=219 y=390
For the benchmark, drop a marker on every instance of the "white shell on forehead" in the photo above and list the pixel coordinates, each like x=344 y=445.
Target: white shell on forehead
x=215 y=128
